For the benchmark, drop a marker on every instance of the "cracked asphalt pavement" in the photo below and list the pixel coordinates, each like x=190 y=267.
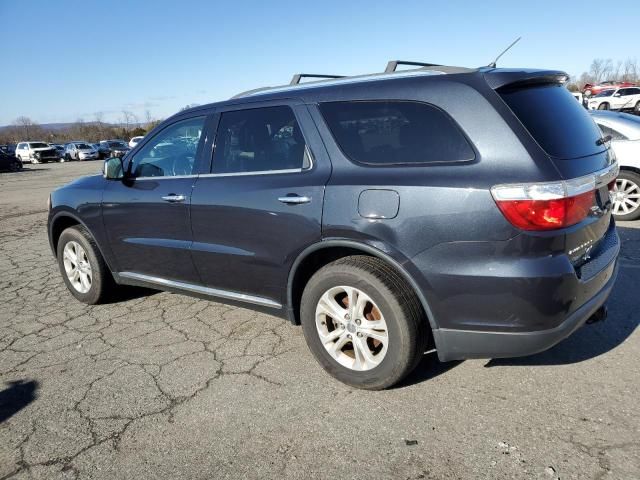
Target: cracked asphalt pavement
x=158 y=385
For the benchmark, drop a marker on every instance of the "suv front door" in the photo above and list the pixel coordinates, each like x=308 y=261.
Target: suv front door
x=146 y=215
x=261 y=204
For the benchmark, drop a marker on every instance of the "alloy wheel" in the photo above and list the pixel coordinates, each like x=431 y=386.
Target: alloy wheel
x=77 y=266
x=352 y=328
x=625 y=197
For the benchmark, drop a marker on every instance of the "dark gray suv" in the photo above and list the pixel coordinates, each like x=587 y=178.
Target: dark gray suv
x=461 y=210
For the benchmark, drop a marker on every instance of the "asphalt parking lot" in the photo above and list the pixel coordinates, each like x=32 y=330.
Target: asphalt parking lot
x=159 y=385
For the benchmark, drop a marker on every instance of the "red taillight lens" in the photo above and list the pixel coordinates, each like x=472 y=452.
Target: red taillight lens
x=551 y=205
x=547 y=214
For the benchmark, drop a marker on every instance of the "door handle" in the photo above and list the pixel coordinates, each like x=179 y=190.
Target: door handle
x=294 y=200
x=173 y=198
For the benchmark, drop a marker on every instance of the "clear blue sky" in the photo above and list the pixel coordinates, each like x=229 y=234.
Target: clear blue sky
x=67 y=59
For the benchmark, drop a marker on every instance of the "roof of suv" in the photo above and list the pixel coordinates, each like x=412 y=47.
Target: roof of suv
x=495 y=77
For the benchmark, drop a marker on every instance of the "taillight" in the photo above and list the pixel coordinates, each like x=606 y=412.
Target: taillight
x=553 y=205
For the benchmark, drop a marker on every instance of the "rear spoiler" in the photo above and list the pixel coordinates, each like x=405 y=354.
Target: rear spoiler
x=500 y=78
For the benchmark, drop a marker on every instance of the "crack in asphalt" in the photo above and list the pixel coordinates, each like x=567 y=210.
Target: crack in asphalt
x=153 y=363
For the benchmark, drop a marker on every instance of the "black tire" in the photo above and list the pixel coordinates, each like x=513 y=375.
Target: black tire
x=401 y=309
x=14 y=166
x=102 y=284
x=603 y=106
x=634 y=178
x=637 y=108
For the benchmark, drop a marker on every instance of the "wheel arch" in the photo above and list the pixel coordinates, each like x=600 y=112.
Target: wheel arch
x=630 y=169
x=64 y=219
x=329 y=250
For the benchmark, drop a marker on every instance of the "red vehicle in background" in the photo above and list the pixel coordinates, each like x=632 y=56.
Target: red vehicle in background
x=592 y=89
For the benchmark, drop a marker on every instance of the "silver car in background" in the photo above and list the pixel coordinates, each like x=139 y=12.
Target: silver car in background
x=80 y=151
x=624 y=130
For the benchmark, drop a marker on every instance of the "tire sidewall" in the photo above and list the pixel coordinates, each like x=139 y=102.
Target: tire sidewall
x=93 y=295
x=399 y=350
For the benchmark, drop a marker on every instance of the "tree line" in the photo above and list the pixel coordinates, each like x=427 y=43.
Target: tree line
x=25 y=129
x=603 y=69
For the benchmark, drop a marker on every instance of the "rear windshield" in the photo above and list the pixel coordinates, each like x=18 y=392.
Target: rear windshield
x=395 y=133
x=560 y=125
x=38 y=145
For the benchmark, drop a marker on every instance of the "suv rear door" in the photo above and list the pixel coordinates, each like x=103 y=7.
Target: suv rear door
x=262 y=202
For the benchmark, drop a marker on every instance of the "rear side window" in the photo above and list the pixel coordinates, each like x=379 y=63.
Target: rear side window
x=560 y=125
x=395 y=133
x=259 y=140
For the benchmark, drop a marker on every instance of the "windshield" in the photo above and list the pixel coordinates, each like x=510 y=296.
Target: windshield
x=560 y=125
x=83 y=146
x=605 y=93
x=38 y=145
x=117 y=145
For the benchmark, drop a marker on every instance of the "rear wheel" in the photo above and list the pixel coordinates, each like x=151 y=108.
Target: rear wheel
x=14 y=166
x=637 y=108
x=363 y=323
x=83 y=269
x=603 y=106
x=626 y=196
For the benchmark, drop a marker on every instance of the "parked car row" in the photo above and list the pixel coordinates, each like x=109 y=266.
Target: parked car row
x=43 y=152
x=591 y=89
x=622 y=99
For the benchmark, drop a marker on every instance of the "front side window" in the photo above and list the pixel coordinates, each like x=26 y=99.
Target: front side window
x=395 y=133
x=259 y=140
x=171 y=152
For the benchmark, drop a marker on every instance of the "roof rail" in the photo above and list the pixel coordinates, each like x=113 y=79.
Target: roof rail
x=299 y=76
x=392 y=65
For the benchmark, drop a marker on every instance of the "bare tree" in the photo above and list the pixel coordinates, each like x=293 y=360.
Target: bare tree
x=27 y=127
x=631 y=70
x=99 y=120
x=127 y=118
x=601 y=69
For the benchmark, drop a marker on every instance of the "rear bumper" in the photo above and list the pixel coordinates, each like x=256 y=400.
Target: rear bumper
x=465 y=344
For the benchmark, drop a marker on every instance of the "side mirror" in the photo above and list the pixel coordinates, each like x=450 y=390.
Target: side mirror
x=616 y=94
x=113 y=169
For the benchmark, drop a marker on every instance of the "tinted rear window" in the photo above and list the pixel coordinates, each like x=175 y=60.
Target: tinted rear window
x=560 y=125
x=395 y=132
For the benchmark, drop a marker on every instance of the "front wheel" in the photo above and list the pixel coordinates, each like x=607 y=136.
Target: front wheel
x=637 y=108
x=83 y=269
x=363 y=323
x=603 y=106
x=626 y=196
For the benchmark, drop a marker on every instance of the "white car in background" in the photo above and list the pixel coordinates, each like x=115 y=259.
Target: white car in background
x=134 y=141
x=624 y=130
x=80 y=151
x=625 y=98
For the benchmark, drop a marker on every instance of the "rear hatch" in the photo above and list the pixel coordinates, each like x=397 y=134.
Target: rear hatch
x=567 y=135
